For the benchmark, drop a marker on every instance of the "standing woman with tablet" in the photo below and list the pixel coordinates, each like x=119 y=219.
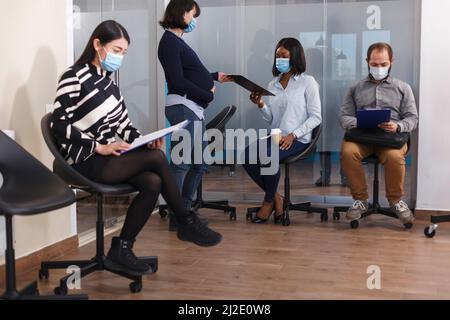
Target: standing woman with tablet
x=89 y=113
x=190 y=88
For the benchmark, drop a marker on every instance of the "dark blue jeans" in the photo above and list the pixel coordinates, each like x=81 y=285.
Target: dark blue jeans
x=269 y=183
x=188 y=176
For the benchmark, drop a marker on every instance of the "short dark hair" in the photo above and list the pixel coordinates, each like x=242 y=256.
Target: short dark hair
x=298 y=61
x=380 y=46
x=106 y=32
x=174 y=14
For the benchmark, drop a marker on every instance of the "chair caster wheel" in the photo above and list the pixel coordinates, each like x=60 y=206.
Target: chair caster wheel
x=428 y=233
x=60 y=291
x=286 y=222
x=336 y=216
x=408 y=225
x=43 y=274
x=136 y=287
x=163 y=213
x=324 y=217
x=233 y=216
x=354 y=224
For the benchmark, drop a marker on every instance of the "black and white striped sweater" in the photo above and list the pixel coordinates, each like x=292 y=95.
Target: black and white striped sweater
x=89 y=108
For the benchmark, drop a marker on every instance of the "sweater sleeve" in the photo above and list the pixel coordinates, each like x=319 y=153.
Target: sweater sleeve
x=170 y=58
x=215 y=76
x=126 y=131
x=77 y=145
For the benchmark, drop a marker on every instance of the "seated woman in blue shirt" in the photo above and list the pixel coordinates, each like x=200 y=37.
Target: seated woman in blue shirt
x=295 y=109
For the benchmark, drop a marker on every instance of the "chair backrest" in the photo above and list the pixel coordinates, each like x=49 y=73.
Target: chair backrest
x=220 y=121
x=72 y=176
x=60 y=166
x=28 y=186
x=311 y=148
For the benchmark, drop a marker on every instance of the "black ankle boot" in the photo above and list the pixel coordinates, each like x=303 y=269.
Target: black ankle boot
x=194 y=230
x=173 y=225
x=121 y=257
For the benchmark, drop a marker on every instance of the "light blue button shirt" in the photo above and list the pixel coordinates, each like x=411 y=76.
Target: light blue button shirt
x=296 y=109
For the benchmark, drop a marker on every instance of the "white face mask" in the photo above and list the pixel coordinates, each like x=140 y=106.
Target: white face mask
x=379 y=73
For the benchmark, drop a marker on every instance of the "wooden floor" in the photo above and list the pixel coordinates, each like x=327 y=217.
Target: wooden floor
x=308 y=260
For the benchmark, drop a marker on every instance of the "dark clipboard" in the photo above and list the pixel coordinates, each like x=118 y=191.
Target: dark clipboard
x=372 y=118
x=250 y=86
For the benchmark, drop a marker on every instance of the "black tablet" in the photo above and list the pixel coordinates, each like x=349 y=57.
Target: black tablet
x=250 y=86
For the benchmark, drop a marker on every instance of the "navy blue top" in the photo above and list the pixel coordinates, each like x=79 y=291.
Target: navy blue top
x=185 y=73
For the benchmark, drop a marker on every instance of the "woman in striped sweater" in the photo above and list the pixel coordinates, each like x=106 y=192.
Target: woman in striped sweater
x=89 y=114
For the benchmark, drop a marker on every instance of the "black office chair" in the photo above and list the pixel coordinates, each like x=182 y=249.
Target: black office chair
x=375 y=207
x=78 y=181
x=219 y=122
x=28 y=188
x=288 y=205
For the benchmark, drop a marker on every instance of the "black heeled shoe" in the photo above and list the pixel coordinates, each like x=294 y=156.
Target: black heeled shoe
x=266 y=207
x=259 y=220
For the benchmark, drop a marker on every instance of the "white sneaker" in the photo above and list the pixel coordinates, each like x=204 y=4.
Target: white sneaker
x=403 y=212
x=357 y=210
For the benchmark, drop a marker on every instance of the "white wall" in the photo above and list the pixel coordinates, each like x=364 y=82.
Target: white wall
x=433 y=187
x=34 y=52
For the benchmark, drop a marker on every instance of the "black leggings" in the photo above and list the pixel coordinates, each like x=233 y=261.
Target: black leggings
x=147 y=171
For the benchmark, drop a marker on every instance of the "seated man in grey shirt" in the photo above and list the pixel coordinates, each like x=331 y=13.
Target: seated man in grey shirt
x=378 y=90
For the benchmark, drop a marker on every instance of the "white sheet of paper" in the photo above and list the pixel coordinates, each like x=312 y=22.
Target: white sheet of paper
x=144 y=140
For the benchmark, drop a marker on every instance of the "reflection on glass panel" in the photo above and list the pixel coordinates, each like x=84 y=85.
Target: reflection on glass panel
x=343 y=56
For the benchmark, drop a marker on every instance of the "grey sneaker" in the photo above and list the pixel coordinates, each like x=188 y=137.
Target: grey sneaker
x=357 y=209
x=403 y=213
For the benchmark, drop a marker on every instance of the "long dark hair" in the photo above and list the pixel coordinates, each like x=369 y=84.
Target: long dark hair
x=174 y=14
x=106 y=32
x=298 y=61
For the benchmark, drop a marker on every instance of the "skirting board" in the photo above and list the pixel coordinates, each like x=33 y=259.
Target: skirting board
x=426 y=214
x=33 y=261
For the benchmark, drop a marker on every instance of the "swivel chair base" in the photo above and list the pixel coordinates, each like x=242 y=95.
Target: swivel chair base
x=199 y=203
x=87 y=267
x=354 y=224
x=375 y=208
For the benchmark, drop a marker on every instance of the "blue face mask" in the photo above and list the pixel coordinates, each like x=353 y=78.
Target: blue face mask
x=283 y=65
x=191 y=26
x=112 y=62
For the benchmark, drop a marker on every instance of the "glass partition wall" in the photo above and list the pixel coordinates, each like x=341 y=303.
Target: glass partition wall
x=239 y=37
